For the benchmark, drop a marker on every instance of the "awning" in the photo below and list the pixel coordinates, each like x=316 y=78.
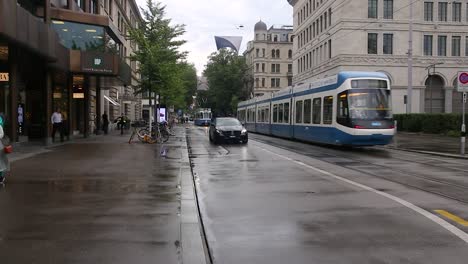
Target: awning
x=111 y=100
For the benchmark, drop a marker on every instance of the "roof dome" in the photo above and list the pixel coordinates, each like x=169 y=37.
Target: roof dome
x=260 y=26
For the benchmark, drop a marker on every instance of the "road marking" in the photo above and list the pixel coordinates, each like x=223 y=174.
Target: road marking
x=453 y=229
x=452 y=217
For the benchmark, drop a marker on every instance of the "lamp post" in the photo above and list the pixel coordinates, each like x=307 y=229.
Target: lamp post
x=410 y=62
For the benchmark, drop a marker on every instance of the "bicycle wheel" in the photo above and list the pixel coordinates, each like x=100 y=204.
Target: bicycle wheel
x=142 y=133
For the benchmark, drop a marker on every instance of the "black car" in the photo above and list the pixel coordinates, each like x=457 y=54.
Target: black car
x=223 y=129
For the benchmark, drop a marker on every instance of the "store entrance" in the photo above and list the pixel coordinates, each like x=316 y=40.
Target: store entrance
x=78 y=105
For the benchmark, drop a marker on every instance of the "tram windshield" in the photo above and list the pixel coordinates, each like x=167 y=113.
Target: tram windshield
x=365 y=104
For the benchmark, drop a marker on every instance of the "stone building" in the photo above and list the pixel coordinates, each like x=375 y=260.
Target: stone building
x=373 y=35
x=67 y=54
x=269 y=57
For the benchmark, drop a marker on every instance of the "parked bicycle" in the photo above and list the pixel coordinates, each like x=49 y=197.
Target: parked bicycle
x=158 y=134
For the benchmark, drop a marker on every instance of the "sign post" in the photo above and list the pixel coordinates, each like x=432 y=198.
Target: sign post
x=463 y=88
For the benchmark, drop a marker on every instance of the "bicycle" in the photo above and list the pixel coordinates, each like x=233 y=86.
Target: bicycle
x=144 y=135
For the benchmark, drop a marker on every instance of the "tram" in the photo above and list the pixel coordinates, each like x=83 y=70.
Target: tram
x=348 y=109
x=202 y=117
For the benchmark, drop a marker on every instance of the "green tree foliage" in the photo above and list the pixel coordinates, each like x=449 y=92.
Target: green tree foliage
x=225 y=72
x=162 y=65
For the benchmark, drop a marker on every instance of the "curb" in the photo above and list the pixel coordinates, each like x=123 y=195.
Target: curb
x=194 y=244
x=440 y=154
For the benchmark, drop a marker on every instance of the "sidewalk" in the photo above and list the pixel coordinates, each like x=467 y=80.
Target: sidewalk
x=102 y=200
x=428 y=143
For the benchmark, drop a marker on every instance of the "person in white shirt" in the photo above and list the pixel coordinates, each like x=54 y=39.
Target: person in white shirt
x=56 y=120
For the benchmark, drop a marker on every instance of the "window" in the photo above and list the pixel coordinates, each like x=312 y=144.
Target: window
x=317 y=111
x=273 y=69
x=388 y=43
x=273 y=53
x=456 y=12
x=372 y=43
x=298 y=112
x=257 y=52
x=263 y=67
x=442 y=11
x=263 y=82
x=372 y=8
x=456 y=45
x=273 y=82
x=280 y=113
x=329 y=17
x=428 y=11
x=290 y=54
x=286 y=113
x=263 y=52
x=342 y=116
x=289 y=68
x=256 y=82
x=275 y=113
x=307 y=111
x=388 y=9
x=278 y=53
x=257 y=67
x=442 y=46
x=328 y=110
x=466 y=46
x=427 y=45
x=329 y=49
x=289 y=81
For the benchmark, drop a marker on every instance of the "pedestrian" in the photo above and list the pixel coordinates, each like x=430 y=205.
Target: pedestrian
x=56 y=120
x=105 y=123
x=121 y=123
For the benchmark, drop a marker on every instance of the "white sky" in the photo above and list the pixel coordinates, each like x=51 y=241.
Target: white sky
x=205 y=19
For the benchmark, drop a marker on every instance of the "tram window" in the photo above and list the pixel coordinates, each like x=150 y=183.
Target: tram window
x=317 y=111
x=369 y=84
x=342 y=105
x=286 y=113
x=275 y=113
x=298 y=112
x=327 y=110
x=267 y=115
x=307 y=111
x=280 y=113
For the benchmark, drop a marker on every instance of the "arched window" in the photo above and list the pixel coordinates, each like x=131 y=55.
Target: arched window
x=257 y=82
x=434 y=95
x=278 y=53
x=457 y=99
x=273 y=53
x=290 y=54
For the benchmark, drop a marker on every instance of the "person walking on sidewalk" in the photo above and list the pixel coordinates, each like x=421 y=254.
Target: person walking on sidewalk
x=121 y=123
x=56 y=120
x=105 y=123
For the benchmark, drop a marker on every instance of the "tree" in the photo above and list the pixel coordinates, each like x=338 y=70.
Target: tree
x=225 y=72
x=161 y=64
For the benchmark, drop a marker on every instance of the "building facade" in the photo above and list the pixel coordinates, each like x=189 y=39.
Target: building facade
x=269 y=57
x=374 y=35
x=67 y=54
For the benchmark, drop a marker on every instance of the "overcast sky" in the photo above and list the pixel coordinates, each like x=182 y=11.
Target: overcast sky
x=205 y=19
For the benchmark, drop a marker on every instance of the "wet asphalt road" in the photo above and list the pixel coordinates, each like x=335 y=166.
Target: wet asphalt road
x=94 y=202
x=277 y=201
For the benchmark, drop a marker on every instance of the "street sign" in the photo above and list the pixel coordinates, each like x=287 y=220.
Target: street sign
x=4 y=77
x=462 y=81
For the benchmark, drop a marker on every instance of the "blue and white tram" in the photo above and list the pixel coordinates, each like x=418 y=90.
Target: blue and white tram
x=202 y=117
x=350 y=108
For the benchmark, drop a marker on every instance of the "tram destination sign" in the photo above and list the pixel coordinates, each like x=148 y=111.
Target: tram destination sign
x=462 y=81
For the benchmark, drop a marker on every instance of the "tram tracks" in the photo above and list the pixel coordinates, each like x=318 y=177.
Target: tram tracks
x=436 y=186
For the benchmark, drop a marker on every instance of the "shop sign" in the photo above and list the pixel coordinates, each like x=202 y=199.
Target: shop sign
x=78 y=95
x=4 y=77
x=97 y=62
x=57 y=95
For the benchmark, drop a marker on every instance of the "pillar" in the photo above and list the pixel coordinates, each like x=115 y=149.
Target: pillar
x=98 y=105
x=48 y=109
x=86 y=104
x=13 y=71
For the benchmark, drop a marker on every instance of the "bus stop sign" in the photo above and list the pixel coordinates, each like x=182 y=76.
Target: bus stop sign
x=462 y=81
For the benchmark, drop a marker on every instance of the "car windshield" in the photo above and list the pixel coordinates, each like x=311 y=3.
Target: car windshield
x=227 y=122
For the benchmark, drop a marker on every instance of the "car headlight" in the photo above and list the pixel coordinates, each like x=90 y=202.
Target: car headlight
x=244 y=131
x=219 y=131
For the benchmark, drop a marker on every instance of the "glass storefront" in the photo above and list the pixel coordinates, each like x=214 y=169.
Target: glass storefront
x=85 y=37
